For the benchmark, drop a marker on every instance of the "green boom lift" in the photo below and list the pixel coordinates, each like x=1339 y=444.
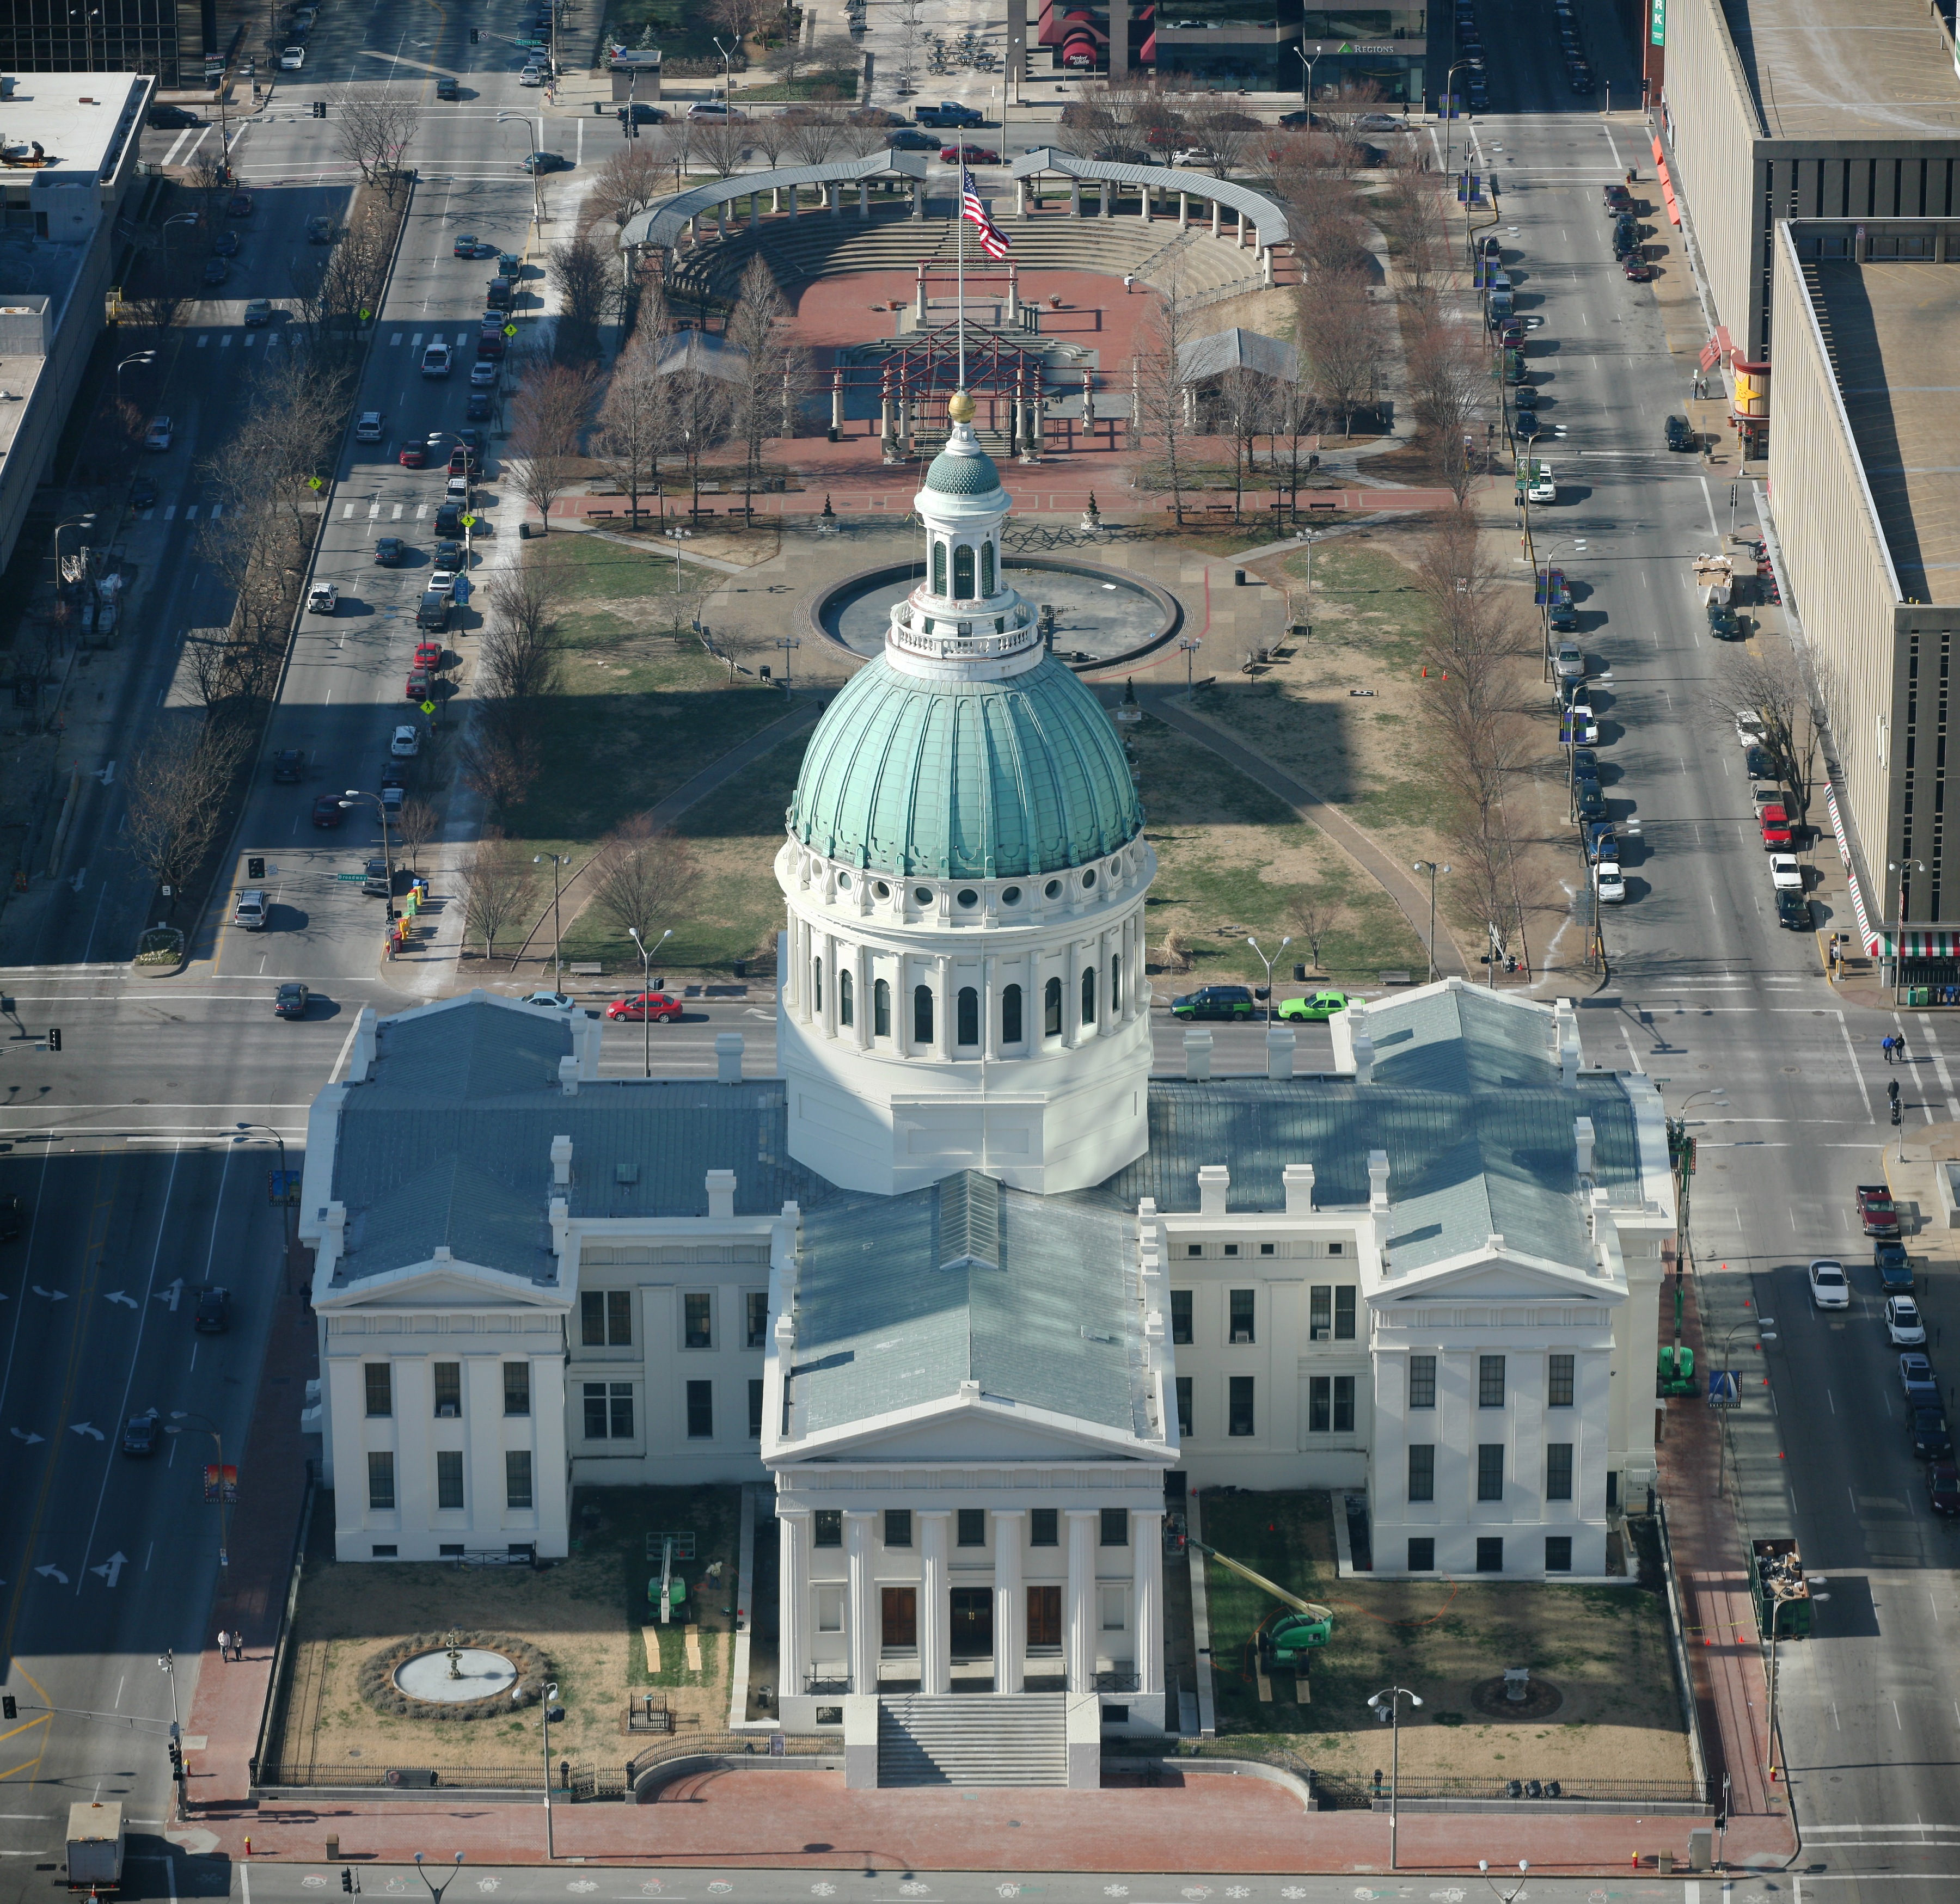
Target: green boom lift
x=1284 y=1640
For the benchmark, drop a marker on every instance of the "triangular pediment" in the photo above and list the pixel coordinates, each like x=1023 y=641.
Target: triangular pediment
x=447 y=1284
x=982 y=1429
x=1499 y=1277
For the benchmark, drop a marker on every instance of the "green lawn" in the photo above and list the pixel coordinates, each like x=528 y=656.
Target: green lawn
x=1385 y=611
x=618 y=1519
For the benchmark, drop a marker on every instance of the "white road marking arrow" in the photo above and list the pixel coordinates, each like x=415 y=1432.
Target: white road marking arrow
x=87 y=1427
x=53 y=1295
x=29 y=1439
x=52 y=1572
x=128 y=1302
x=171 y=1296
x=112 y=1566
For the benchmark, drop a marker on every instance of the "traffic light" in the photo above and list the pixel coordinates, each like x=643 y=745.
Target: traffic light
x=10 y=1707
x=346 y=1875
x=255 y=867
x=475 y=35
x=54 y=1043
x=319 y=109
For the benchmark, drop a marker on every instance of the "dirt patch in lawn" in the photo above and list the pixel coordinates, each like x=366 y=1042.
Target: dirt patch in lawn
x=588 y=1614
x=1604 y=1650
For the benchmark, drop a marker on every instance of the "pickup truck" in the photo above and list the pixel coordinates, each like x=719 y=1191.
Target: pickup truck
x=1894 y=1267
x=1876 y=1210
x=948 y=112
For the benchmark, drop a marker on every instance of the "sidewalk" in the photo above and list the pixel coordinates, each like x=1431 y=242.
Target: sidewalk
x=1725 y=1654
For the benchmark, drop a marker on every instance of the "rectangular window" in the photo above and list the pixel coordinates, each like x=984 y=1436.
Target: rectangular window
x=1184 y=1407
x=1422 y=1381
x=1490 y=1470
x=971 y=1531
x=1344 y=1404
x=1265 y=1249
x=1239 y=1405
x=1116 y=1529
x=898 y=1527
x=1490 y=1381
x=697 y=1321
x=1344 y=1313
x=1319 y=1404
x=609 y=1411
x=518 y=1479
x=1194 y=1249
x=1044 y=1527
x=754 y=1408
x=448 y=1389
x=1422 y=1554
x=1490 y=1553
x=700 y=1411
x=1320 y=1312
x=756 y=1306
x=605 y=1318
x=827 y=1527
x=517 y=1388
x=449 y=1479
x=830 y=1609
x=1558 y=1553
x=1422 y=1471
x=1180 y=1315
x=1558 y=1471
x=1242 y=1315
x=381 y=1483
x=1558 y=1382
x=380 y=1376
x=1115 y=1606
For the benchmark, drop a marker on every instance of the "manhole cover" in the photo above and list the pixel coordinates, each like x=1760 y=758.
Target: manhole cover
x=1542 y=1699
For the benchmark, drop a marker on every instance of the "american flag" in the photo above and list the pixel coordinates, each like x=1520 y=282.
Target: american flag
x=993 y=240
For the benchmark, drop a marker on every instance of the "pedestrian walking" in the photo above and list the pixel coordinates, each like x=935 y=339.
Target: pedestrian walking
x=1129 y=283
x=224 y=1637
x=1885 y=1045
x=237 y=1646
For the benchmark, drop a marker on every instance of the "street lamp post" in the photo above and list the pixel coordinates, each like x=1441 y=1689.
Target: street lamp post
x=1269 y=964
x=788 y=643
x=544 y=1729
x=355 y=794
x=285 y=1199
x=167 y=1666
x=211 y=1429
x=1190 y=644
x=1448 y=97
x=1776 y=1614
x=727 y=54
x=1309 y=63
x=646 y=1015
x=140 y=357
x=559 y=862
x=1432 y=869
x=436 y=1891
x=1510 y=1896
x=1387 y=1707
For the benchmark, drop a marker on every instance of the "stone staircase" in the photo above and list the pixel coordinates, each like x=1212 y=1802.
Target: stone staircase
x=973 y=1739
x=819 y=245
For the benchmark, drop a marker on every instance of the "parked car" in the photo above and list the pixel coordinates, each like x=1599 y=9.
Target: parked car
x=251 y=911
x=216 y=270
x=1786 y=874
x=169 y=119
x=1916 y=1378
x=292 y=60
x=1830 y=1289
x=1903 y=1324
x=1612 y=887
x=158 y=435
x=406 y=742
x=429 y=656
x=1571 y=661
x=1585 y=764
x=448 y=521
x=1773 y=823
x=481 y=404
x=323 y=598
x=483 y=374
x=1942 y=1488
x=1316 y=1008
x=1617 y=199
x=1215 y=1001
x=290 y=1000
x=531 y=76
x=1601 y=842
x=1893 y=1265
x=416 y=689
x=1590 y=799
x=1722 y=622
x=432 y=612
x=327 y=810
x=388 y=551
x=1876 y=1211
x=1679 y=436
x=1793 y=911
x=448 y=553
x=1636 y=269
x=211 y=1313
x=1927 y=1427
x=656 y=1006
x=370 y=427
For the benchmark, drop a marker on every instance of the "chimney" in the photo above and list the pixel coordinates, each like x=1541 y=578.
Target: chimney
x=442 y=1254
x=567 y=1077
x=728 y=1057
x=1565 y=1032
x=721 y=1193
x=587 y=1034
x=1213 y=1181
x=1197 y=1055
x=1280 y=1044
x=1298 y=1179
x=1581 y=1132
x=561 y=1157
x=1493 y=1243
x=1378 y=1179
x=785 y=1335
x=362 y=1060
x=1364 y=1057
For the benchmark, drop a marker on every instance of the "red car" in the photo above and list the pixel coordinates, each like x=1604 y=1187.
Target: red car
x=644 y=1004
x=418 y=689
x=462 y=463
x=491 y=346
x=1638 y=270
x=428 y=656
x=327 y=810
x=1877 y=1211
x=1775 y=824
x=969 y=155
x=413 y=456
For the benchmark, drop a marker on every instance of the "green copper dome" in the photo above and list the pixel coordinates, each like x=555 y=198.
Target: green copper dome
x=965 y=779
x=970 y=475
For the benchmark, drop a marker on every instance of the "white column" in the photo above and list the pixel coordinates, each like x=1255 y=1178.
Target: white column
x=1105 y=1012
x=1071 y=997
x=795 y=1616
x=942 y=1017
x=1147 y=1611
x=1011 y=1601
x=935 y=1604
x=1184 y=211
x=989 y=1007
x=1079 y=1613
x=1214 y=217
x=861 y=976
x=800 y=945
x=864 y=1621
x=827 y=950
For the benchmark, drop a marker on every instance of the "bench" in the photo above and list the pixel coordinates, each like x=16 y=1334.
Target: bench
x=593 y=514
x=1396 y=978
x=1323 y=505
x=595 y=970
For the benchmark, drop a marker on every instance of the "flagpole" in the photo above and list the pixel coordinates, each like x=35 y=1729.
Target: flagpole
x=959 y=286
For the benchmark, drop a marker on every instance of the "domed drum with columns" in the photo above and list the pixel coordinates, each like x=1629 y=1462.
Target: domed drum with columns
x=965 y=871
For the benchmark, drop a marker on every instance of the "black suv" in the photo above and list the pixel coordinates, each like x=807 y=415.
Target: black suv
x=1679 y=436
x=1793 y=911
x=212 y=1315
x=1722 y=622
x=1215 y=1001
x=288 y=764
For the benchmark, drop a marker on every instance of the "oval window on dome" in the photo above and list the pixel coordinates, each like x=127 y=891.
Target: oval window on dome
x=921 y=895
x=1052 y=890
x=968 y=896
x=1089 y=879
x=844 y=881
x=1011 y=896
x=884 y=891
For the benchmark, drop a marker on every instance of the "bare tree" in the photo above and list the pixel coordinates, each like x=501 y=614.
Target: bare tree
x=722 y=142
x=702 y=408
x=627 y=183
x=1448 y=390
x=1340 y=342
x=499 y=882
x=636 y=422
x=644 y=876
x=1771 y=680
x=175 y=791
x=740 y=20
x=1314 y=911
x=499 y=755
x=372 y=131
x=775 y=372
x=416 y=823
x=1223 y=137
x=518 y=657
x=1238 y=410
x=1341 y=113
x=814 y=134
x=583 y=277
x=547 y=416
x=1408 y=213
x=1163 y=396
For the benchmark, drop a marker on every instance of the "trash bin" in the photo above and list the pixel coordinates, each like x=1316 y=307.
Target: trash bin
x=1238 y=578
x=1919 y=995
x=1300 y=974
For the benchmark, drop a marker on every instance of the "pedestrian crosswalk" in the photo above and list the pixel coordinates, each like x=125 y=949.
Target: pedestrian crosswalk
x=250 y=339
x=375 y=510
x=414 y=338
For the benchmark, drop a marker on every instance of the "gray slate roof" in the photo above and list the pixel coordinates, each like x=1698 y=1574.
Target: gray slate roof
x=1237 y=350
x=900 y=1299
